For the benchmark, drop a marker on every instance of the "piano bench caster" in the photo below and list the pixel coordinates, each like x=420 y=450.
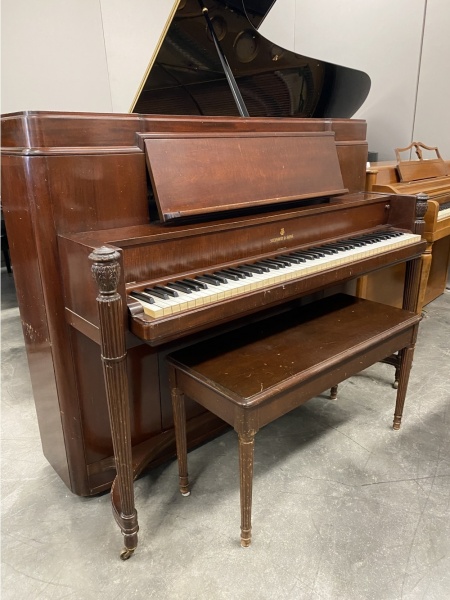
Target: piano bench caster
x=333 y=392
x=127 y=553
x=395 y=384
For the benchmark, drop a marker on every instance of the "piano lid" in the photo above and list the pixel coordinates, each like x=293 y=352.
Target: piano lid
x=187 y=77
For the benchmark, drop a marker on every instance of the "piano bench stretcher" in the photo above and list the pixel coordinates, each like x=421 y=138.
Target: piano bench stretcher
x=255 y=374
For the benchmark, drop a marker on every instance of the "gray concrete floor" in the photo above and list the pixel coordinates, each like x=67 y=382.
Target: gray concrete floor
x=344 y=507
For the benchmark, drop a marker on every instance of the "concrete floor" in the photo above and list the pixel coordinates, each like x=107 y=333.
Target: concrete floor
x=344 y=507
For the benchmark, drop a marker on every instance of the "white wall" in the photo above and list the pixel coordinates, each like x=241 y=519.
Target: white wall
x=132 y=30
x=410 y=94
x=432 y=124
x=53 y=56
x=91 y=55
x=77 y=55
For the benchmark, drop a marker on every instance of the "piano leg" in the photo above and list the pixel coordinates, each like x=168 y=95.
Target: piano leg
x=246 y=451
x=426 y=267
x=179 y=417
x=406 y=358
x=106 y=270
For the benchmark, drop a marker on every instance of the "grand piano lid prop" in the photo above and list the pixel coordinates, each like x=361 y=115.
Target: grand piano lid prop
x=201 y=174
x=186 y=75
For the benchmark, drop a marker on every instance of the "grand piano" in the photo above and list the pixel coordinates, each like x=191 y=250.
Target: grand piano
x=203 y=193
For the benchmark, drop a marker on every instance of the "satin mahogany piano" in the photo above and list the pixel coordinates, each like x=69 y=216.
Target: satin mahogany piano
x=428 y=173
x=74 y=181
x=244 y=232
x=179 y=202
x=79 y=173
x=86 y=174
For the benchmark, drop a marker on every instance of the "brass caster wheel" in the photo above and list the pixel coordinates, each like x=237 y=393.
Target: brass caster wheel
x=395 y=385
x=126 y=553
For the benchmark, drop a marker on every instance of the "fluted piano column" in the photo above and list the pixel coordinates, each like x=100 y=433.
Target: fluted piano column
x=106 y=270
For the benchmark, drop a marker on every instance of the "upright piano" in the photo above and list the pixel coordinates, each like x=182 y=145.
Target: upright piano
x=182 y=196
x=426 y=172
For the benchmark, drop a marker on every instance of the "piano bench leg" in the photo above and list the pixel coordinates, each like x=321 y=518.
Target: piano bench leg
x=179 y=416
x=333 y=392
x=396 y=378
x=246 y=452
x=406 y=358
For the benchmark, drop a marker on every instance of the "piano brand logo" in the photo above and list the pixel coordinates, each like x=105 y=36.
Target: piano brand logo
x=282 y=237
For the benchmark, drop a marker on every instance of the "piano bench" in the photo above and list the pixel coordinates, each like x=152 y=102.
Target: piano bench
x=253 y=375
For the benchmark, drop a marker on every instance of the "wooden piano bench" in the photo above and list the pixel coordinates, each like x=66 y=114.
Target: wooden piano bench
x=255 y=374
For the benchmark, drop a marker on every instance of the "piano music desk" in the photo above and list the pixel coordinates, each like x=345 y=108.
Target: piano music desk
x=251 y=376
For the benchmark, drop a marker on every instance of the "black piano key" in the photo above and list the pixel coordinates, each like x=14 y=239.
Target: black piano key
x=330 y=248
x=286 y=262
x=166 y=290
x=207 y=280
x=303 y=255
x=268 y=264
x=358 y=243
x=195 y=284
x=144 y=297
x=229 y=275
x=177 y=285
x=255 y=269
x=321 y=253
x=344 y=244
x=293 y=259
x=157 y=293
x=244 y=271
x=218 y=276
x=363 y=240
x=312 y=254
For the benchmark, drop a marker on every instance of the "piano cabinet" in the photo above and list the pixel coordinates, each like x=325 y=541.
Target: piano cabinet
x=430 y=177
x=67 y=173
x=74 y=182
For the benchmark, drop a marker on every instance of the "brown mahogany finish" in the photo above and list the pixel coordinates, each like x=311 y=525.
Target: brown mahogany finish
x=248 y=386
x=428 y=174
x=82 y=178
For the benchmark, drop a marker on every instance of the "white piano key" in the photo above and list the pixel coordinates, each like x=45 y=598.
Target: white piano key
x=258 y=281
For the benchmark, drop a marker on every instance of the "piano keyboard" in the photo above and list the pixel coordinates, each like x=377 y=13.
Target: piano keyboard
x=186 y=294
x=444 y=211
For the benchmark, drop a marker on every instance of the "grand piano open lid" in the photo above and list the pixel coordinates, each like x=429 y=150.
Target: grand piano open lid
x=186 y=76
